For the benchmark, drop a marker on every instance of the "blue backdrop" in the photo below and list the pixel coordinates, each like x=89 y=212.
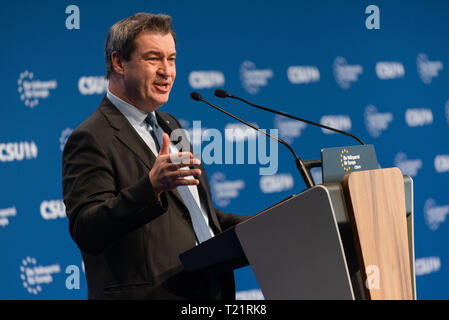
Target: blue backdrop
x=316 y=59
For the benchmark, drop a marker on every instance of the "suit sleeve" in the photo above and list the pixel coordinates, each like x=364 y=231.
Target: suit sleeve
x=228 y=220
x=99 y=214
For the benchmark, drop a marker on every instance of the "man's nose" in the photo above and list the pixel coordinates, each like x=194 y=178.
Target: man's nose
x=164 y=68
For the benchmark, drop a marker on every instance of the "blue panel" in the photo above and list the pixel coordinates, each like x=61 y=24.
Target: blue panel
x=314 y=59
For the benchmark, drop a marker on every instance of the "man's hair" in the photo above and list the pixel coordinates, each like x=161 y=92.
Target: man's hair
x=121 y=35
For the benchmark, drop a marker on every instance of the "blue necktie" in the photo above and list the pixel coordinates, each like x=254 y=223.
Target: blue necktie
x=200 y=226
x=155 y=131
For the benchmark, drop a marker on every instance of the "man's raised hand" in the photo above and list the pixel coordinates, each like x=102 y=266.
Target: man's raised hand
x=170 y=170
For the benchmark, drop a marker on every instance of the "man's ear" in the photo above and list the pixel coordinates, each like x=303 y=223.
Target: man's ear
x=117 y=64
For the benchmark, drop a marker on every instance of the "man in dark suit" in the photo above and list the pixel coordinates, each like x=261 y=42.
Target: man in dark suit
x=132 y=209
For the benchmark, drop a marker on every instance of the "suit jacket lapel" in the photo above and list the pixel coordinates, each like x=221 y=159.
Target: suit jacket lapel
x=126 y=133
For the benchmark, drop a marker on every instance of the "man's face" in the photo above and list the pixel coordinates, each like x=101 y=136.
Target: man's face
x=151 y=70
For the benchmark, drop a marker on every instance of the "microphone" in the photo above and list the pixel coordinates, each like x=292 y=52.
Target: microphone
x=223 y=94
x=299 y=163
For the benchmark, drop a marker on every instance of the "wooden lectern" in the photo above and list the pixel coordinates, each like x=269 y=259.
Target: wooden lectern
x=350 y=240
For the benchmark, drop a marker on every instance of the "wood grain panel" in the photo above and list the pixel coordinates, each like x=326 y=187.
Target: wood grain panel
x=376 y=208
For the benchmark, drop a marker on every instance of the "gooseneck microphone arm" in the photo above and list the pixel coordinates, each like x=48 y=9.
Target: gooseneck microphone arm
x=223 y=94
x=299 y=163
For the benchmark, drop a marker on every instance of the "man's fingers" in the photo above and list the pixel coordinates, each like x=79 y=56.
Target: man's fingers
x=186 y=182
x=177 y=166
x=165 y=149
x=185 y=158
x=181 y=157
x=185 y=173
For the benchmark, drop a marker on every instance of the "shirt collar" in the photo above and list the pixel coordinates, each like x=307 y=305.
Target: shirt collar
x=134 y=115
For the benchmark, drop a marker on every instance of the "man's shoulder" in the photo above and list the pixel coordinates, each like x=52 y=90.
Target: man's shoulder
x=96 y=128
x=97 y=121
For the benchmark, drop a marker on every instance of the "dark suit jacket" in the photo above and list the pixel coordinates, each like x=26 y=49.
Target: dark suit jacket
x=129 y=239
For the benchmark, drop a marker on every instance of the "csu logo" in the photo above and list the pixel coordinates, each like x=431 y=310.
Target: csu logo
x=240 y=132
x=92 y=85
x=252 y=78
x=65 y=134
x=276 y=183
x=206 y=79
x=418 y=117
x=427 y=265
x=427 y=70
x=434 y=215
x=18 y=151
x=303 y=74
x=34 y=276
x=225 y=190
x=409 y=167
x=52 y=209
x=31 y=90
x=288 y=129
x=441 y=163
x=376 y=122
x=346 y=74
x=5 y=214
x=341 y=122
x=390 y=70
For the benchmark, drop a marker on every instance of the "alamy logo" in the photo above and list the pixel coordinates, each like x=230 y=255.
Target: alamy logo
x=18 y=151
x=390 y=70
x=303 y=74
x=5 y=214
x=52 y=209
x=73 y=20
x=34 y=276
x=89 y=85
x=276 y=183
x=408 y=167
x=434 y=215
x=373 y=20
x=193 y=134
x=376 y=122
x=372 y=281
x=72 y=281
x=250 y=146
x=341 y=122
x=252 y=79
x=206 y=79
x=225 y=190
x=346 y=74
x=427 y=70
x=31 y=90
x=418 y=117
x=240 y=132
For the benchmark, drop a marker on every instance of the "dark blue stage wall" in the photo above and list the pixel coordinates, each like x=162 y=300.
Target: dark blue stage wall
x=383 y=77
